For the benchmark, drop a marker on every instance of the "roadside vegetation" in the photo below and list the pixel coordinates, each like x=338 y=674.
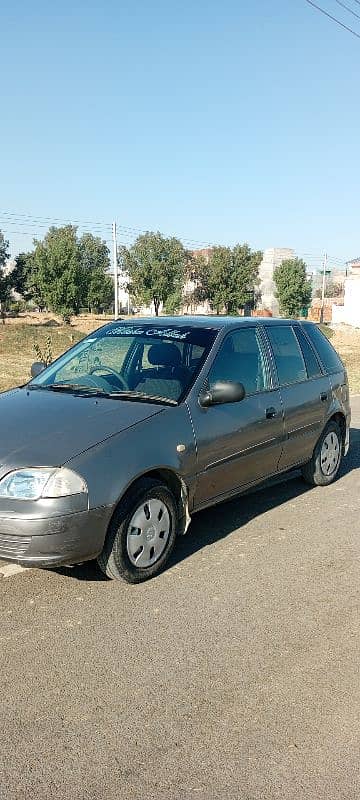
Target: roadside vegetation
x=65 y=274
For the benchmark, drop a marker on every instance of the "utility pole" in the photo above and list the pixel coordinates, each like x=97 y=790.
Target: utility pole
x=323 y=288
x=116 y=271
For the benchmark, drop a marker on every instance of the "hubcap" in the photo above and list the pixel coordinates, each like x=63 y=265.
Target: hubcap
x=148 y=533
x=330 y=453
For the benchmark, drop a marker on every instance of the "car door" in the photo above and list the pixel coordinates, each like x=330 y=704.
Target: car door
x=238 y=443
x=305 y=391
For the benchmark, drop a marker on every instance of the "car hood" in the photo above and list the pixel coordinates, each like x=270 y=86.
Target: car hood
x=44 y=428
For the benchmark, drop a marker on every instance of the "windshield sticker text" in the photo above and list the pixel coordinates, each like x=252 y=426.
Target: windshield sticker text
x=132 y=330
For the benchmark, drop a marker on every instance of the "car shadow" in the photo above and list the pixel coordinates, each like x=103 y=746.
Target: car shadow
x=217 y=522
x=87 y=571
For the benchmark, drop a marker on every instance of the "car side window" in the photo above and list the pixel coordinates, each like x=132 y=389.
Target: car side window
x=312 y=365
x=288 y=357
x=241 y=358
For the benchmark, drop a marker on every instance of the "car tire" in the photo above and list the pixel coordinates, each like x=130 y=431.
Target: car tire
x=324 y=465
x=142 y=533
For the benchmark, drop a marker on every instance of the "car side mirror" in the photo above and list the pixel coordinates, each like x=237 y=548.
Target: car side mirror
x=36 y=368
x=222 y=392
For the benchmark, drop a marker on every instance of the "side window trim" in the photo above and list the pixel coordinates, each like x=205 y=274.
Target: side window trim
x=267 y=363
x=269 y=359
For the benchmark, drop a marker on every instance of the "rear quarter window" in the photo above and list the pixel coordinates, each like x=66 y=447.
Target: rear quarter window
x=313 y=368
x=326 y=352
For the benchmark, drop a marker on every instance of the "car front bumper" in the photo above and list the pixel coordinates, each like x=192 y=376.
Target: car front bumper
x=52 y=541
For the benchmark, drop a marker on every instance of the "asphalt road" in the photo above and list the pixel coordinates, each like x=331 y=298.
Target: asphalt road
x=235 y=674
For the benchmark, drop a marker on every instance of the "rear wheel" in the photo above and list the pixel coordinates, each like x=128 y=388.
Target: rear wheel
x=142 y=533
x=325 y=463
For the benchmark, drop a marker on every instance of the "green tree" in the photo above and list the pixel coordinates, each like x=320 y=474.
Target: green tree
x=94 y=253
x=100 y=290
x=4 y=279
x=24 y=281
x=19 y=274
x=229 y=276
x=293 y=288
x=156 y=268
x=95 y=261
x=174 y=302
x=58 y=271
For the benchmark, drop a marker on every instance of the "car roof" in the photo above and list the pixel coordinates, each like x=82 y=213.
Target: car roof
x=204 y=321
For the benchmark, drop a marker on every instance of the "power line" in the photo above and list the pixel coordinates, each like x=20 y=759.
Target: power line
x=38 y=226
x=97 y=227
x=350 y=30
x=23 y=223
x=55 y=219
x=343 y=5
x=83 y=223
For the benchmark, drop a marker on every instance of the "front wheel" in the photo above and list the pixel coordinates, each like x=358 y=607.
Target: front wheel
x=325 y=463
x=142 y=533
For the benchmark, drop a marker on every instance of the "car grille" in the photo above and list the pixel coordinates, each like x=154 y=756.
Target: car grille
x=14 y=545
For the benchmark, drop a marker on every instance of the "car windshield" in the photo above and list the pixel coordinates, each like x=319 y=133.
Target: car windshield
x=133 y=361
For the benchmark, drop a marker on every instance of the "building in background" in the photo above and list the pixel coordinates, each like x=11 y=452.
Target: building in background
x=353 y=267
x=335 y=279
x=349 y=312
x=272 y=258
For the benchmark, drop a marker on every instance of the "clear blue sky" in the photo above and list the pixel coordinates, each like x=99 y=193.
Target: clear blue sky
x=219 y=121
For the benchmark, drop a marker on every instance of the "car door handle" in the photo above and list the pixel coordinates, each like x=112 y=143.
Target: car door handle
x=323 y=397
x=271 y=412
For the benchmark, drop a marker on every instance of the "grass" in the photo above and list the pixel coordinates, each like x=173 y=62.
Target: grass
x=352 y=364
x=17 y=351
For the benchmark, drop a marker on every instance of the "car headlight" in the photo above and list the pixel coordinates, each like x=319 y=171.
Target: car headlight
x=31 y=484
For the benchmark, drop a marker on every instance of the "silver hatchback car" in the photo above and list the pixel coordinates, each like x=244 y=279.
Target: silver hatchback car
x=108 y=452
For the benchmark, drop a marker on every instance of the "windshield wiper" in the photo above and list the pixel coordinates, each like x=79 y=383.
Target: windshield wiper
x=93 y=391
x=142 y=397
x=71 y=388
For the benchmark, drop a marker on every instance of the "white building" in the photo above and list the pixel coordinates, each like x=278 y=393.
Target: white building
x=272 y=258
x=349 y=313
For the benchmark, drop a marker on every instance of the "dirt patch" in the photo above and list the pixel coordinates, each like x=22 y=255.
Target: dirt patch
x=346 y=340
x=17 y=351
x=85 y=322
